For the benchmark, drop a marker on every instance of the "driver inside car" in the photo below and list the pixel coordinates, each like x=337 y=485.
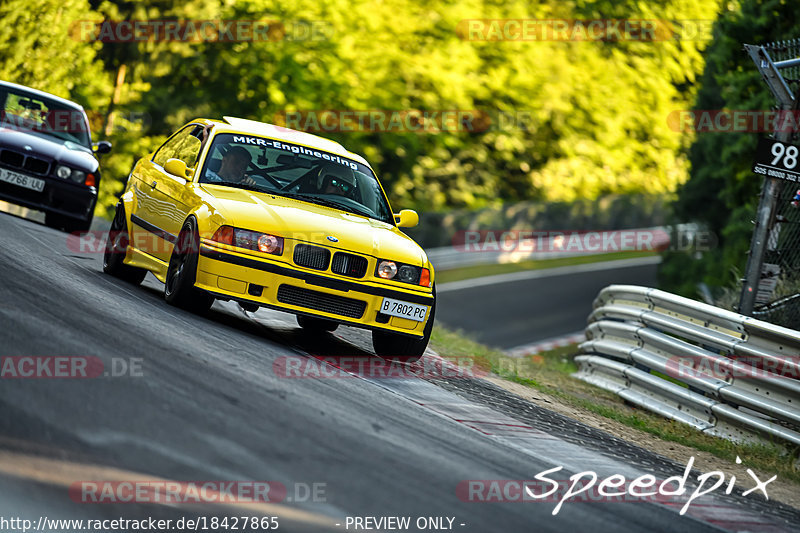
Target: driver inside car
x=232 y=168
x=339 y=185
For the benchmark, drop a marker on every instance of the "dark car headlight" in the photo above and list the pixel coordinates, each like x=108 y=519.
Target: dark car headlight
x=78 y=176
x=402 y=272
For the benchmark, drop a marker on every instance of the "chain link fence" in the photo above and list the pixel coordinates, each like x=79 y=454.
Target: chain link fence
x=783 y=51
x=778 y=299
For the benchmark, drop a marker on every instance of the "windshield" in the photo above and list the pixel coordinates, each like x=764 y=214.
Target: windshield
x=294 y=171
x=27 y=111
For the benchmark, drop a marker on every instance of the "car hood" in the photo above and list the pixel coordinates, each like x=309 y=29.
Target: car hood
x=303 y=221
x=44 y=148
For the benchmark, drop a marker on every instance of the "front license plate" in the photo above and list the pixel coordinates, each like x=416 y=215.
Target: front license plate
x=21 y=180
x=404 y=309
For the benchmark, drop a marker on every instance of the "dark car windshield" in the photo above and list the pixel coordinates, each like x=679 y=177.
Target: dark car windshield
x=25 y=111
x=294 y=171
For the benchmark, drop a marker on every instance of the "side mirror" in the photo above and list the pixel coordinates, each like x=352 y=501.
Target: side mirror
x=176 y=167
x=103 y=147
x=406 y=218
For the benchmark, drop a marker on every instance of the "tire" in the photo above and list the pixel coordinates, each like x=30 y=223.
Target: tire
x=179 y=290
x=67 y=224
x=116 y=249
x=316 y=325
x=403 y=348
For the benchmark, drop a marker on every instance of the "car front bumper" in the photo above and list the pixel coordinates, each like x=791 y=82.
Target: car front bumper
x=239 y=277
x=67 y=199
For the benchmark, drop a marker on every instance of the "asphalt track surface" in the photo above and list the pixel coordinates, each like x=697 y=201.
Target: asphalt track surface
x=512 y=310
x=209 y=405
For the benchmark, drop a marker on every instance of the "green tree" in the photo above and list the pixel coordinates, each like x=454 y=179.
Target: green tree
x=568 y=120
x=39 y=48
x=722 y=192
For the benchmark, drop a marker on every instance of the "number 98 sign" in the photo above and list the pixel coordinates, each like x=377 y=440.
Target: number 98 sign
x=777 y=159
x=785 y=155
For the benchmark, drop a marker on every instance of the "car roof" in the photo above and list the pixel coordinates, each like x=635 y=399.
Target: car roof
x=243 y=125
x=40 y=94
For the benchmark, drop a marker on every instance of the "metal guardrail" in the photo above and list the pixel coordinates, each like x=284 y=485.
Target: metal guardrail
x=723 y=373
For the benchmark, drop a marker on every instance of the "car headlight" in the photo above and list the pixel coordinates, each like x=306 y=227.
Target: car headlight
x=63 y=172
x=251 y=240
x=269 y=243
x=408 y=273
x=78 y=176
x=401 y=272
x=387 y=269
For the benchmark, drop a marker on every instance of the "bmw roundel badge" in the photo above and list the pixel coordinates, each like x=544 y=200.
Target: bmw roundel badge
x=332 y=238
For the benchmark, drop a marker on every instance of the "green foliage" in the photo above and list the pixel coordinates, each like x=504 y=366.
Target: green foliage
x=37 y=49
x=570 y=120
x=722 y=192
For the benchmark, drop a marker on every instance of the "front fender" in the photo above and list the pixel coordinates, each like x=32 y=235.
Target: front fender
x=208 y=220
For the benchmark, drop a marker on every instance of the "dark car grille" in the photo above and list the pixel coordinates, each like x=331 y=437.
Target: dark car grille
x=12 y=159
x=320 y=301
x=351 y=265
x=37 y=166
x=29 y=163
x=312 y=256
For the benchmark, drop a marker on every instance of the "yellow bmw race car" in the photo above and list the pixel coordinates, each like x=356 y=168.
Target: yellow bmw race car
x=272 y=217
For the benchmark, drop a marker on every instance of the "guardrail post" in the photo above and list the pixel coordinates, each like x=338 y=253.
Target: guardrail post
x=771 y=187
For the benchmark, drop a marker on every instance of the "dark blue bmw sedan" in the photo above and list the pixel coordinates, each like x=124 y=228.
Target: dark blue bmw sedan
x=47 y=159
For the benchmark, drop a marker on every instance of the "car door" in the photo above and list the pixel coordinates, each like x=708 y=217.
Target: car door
x=163 y=199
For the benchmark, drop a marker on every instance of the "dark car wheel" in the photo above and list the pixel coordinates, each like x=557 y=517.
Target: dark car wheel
x=316 y=325
x=403 y=348
x=68 y=224
x=116 y=248
x=179 y=290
